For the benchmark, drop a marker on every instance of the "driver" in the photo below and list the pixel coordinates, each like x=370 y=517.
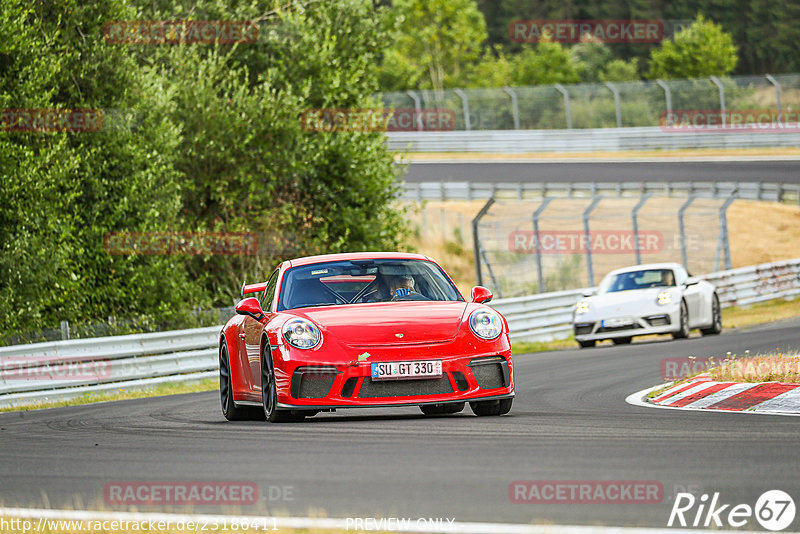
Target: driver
x=402 y=287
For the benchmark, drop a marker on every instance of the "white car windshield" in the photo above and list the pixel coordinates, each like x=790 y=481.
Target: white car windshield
x=643 y=279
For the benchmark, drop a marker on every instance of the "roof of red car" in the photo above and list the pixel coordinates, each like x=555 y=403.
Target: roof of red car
x=356 y=256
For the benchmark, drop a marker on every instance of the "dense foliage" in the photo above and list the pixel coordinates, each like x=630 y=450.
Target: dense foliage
x=195 y=138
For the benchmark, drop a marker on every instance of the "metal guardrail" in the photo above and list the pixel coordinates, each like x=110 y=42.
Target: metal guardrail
x=61 y=370
x=548 y=316
x=583 y=140
x=767 y=191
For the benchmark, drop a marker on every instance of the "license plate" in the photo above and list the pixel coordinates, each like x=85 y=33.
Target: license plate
x=404 y=370
x=619 y=321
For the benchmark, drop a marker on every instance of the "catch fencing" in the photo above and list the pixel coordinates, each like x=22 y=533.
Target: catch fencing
x=62 y=370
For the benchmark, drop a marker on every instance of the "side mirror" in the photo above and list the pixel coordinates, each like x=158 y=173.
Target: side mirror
x=251 y=307
x=692 y=281
x=481 y=295
x=590 y=293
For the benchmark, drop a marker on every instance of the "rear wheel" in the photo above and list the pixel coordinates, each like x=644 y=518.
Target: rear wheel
x=683 y=333
x=716 y=318
x=621 y=340
x=442 y=409
x=587 y=344
x=269 y=392
x=229 y=408
x=492 y=407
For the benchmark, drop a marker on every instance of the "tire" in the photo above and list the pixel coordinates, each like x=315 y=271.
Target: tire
x=683 y=333
x=621 y=340
x=587 y=344
x=716 y=319
x=229 y=408
x=442 y=409
x=492 y=407
x=269 y=392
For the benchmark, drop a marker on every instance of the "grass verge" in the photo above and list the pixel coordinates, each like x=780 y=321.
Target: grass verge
x=167 y=388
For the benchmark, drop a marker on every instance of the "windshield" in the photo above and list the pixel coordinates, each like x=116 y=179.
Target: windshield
x=364 y=281
x=637 y=280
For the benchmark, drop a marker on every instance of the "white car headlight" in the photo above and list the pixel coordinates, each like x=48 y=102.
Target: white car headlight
x=581 y=307
x=664 y=298
x=485 y=323
x=301 y=333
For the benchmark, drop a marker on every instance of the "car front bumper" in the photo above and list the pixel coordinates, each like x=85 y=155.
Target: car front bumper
x=594 y=328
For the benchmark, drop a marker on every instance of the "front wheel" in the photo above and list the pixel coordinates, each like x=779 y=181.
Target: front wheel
x=587 y=344
x=621 y=340
x=716 y=318
x=269 y=392
x=492 y=407
x=683 y=333
x=229 y=408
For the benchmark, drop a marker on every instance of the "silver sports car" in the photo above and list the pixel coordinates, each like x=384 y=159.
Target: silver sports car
x=658 y=298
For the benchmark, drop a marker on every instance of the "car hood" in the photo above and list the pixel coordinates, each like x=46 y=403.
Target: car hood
x=388 y=323
x=628 y=301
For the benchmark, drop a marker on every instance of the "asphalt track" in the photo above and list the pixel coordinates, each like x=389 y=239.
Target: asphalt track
x=787 y=172
x=569 y=422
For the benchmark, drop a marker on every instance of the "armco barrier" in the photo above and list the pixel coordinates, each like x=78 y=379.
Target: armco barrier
x=67 y=369
x=583 y=140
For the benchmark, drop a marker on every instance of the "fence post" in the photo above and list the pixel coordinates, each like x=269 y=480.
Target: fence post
x=635 y=217
x=476 y=240
x=667 y=95
x=514 y=106
x=682 y=227
x=65 y=330
x=721 y=97
x=774 y=82
x=723 y=244
x=417 y=109
x=567 y=111
x=464 y=106
x=616 y=102
x=536 y=215
x=589 y=267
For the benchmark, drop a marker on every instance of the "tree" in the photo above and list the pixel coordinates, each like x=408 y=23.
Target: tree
x=434 y=43
x=548 y=63
x=702 y=49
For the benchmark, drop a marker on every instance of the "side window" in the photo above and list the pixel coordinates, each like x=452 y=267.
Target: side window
x=269 y=293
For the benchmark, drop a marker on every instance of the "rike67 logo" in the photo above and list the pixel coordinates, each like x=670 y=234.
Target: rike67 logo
x=774 y=510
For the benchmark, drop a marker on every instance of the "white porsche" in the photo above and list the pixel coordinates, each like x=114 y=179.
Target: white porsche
x=658 y=298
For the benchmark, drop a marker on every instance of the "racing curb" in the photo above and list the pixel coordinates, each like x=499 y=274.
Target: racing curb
x=702 y=393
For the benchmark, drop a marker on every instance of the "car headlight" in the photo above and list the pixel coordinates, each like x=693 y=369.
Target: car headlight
x=485 y=323
x=301 y=333
x=581 y=307
x=664 y=298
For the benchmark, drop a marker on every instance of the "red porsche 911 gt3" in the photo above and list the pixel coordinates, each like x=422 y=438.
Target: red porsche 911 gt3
x=363 y=330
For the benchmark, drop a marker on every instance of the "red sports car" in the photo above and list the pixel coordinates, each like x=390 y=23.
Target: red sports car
x=363 y=330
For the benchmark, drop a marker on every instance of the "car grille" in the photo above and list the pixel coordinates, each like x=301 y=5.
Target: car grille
x=606 y=329
x=312 y=382
x=404 y=388
x=491 y=372
x=658 y=320
x=581 y=329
